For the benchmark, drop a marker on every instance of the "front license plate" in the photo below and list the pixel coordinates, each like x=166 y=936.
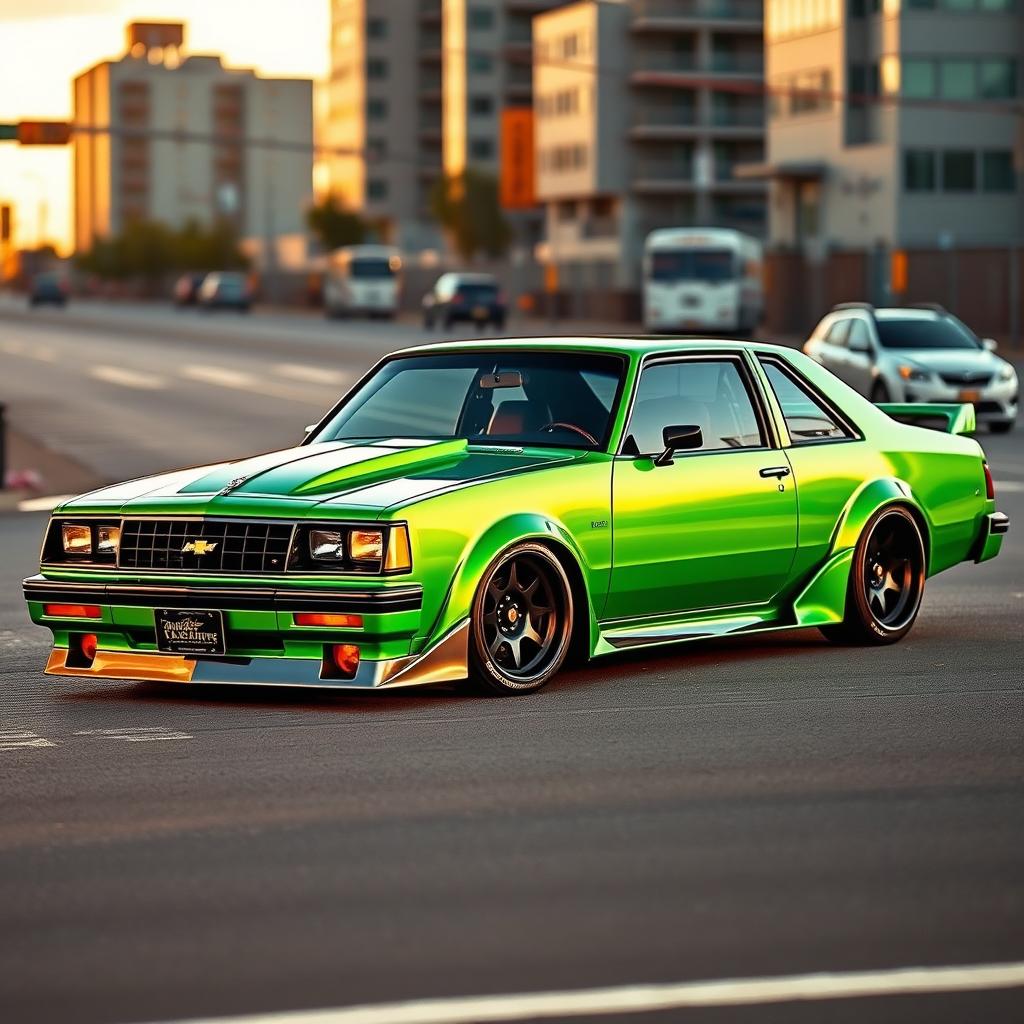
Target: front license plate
x=969 y=396
x=189 y=631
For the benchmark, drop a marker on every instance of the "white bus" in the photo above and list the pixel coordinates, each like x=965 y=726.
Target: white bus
x=705 y=280
x=362 y=279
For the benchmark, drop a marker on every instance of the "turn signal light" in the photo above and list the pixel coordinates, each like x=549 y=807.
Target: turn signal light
x=328 y=619
x=990 y=487
x=345 y=658
x=87 y=645
x=73 y=611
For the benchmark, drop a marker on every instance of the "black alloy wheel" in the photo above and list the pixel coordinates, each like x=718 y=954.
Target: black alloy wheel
x=879 y=393
x=521 y=621
x=886 y=581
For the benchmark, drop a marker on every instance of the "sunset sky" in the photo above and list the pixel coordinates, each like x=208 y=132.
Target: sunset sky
x=45 y=43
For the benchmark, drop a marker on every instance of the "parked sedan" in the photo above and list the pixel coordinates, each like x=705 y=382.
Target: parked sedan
x=916 y=354
x=225 y=291
x=48 y=290
x=484 y=510
x=476 y=298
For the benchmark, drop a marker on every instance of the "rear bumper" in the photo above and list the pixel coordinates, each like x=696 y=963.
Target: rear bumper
x=996 y=525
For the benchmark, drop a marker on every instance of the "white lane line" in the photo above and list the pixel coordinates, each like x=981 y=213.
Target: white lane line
x=312 y=374
x=239 y=380
x=137 y=734
x=21 y=739
x=221 y=375
x=43 y=353
x=127 y=378
x=1008 y=487
x=46 y=504
x=651 y=998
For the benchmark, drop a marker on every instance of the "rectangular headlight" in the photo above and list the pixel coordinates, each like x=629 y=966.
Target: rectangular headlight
x=366 y=545
x=76 y=538
x=107 y=539
x=326 y=545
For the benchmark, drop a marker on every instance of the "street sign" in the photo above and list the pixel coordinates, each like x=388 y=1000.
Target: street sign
x=44 y=133
x=518 y=186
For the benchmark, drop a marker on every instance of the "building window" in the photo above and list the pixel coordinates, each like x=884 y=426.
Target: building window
x=958 y=170
x=919 y=79
x=377 y=188
x=376 y=67
x=481 y=106
x=481 y=149
x=481 y=18
x=377 y=149
x=919 y=170
x=480 y=63
x=377 y=28
x=998 y=78
x=997 y=174
x=376 y=108
x=957 y=79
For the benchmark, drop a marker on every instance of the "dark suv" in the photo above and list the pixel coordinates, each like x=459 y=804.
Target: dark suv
x=476 y=298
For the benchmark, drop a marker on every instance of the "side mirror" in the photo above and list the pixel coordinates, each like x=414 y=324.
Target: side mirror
x=310 y=427
x=989 y=344
x=679 y=438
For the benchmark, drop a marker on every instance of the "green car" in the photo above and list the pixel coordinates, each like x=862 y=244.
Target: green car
x=484 y=511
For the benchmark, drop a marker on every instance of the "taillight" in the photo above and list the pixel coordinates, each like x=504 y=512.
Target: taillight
x=328 y=619
x=73 y=611
x=341 y=661
x=990 y=487
x=458 y=297
x=87 y=645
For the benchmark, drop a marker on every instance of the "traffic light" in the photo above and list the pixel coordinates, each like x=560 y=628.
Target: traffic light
x=44 y=133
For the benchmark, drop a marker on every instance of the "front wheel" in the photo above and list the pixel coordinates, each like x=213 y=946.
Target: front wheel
x=879 y=393
x=886 y=581
x=521 y=621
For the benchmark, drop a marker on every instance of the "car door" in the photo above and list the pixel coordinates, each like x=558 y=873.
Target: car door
x=716 y=526
x=833 y=347
x=860 y=356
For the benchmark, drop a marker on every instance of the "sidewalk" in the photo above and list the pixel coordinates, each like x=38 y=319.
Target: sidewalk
x=58 y=474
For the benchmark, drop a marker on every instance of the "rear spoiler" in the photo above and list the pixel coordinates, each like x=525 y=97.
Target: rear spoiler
x=954 y=418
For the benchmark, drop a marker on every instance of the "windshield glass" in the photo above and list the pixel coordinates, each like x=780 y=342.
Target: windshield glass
x=711 y=265
x=913 y=332
x=367 y=266
x=476 y=291
x=560 y=399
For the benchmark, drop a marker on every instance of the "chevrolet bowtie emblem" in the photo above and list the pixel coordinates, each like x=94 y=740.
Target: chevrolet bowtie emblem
x=198 y=547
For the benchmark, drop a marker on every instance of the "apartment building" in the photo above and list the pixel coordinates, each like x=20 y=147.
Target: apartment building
x=893 y=124
x=135 y=166
x=644 y=110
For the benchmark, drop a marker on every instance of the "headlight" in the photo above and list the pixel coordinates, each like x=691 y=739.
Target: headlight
x=107 y=539
x=914 y=373
x=1007 y=372
x=76 y=538
x=326 y=545
x=366 y=545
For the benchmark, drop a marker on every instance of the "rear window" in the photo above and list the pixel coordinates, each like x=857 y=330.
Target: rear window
x=710 y=265
x=477 y=291
x=915 y=332
x=370 y=267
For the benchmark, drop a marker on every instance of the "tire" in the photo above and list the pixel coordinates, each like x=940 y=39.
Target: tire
x=886 y=581
x=521 y=622
x=1001 y=426
x=879 y=392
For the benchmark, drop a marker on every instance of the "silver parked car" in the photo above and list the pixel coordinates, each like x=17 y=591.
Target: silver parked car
x=916 y=354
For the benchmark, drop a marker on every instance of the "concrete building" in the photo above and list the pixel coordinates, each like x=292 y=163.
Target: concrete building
x=893 y=124
x=644 y=109
x=384 y=113
x=134 y=166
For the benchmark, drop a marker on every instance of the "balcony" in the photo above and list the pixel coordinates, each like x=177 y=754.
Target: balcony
x=654 y=174
x=684 y=70
x=669 y=15
x=659 y=122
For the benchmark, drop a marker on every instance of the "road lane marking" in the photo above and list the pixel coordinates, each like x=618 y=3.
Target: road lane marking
x=1009 y=487
x=311 y=374
x=127 y=378
x=137 y=734
x=21 y=739
x=43 y=353
x=239 y=380
x=47 y=504
x=652 y=998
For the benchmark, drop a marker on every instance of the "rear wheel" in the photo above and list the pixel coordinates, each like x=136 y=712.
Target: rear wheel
x=886 y=581
x=521 y=621
x=879 y=393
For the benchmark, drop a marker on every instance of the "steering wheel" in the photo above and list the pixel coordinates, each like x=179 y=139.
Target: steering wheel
x=559 y=425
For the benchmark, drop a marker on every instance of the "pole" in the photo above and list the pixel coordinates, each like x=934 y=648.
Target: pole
x=3 y=447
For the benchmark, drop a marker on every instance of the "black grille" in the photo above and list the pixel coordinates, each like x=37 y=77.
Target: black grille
x=960 y=379
x=231 y=545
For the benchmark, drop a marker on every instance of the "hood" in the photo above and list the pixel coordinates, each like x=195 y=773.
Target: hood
x=949 y=360
x=370 y=476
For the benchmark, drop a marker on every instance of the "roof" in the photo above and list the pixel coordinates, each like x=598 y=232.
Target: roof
x=617 y=344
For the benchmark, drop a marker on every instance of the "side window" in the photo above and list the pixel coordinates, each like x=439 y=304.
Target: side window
x=708 y=393
x=838 y=331
x=858 y=340
x=806 y=418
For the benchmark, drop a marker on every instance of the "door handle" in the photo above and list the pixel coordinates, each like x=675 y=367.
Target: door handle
x=775 y=471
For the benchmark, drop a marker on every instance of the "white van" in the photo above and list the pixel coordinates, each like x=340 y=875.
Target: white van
x=362 y=280
x=705 y=280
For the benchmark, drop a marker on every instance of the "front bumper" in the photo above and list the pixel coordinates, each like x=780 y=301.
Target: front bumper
x=996 y=401
x=264 y=643
x=990 y=539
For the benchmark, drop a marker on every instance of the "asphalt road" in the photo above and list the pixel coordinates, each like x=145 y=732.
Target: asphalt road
x=768 y=806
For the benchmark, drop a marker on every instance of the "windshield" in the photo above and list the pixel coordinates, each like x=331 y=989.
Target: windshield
x=476 y=291
x=560 y=399
x=913 y=332
x=367 y=266
x=710 y=265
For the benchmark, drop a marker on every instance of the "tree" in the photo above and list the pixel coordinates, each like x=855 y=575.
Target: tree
x=468 y=208
x=334 y=225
